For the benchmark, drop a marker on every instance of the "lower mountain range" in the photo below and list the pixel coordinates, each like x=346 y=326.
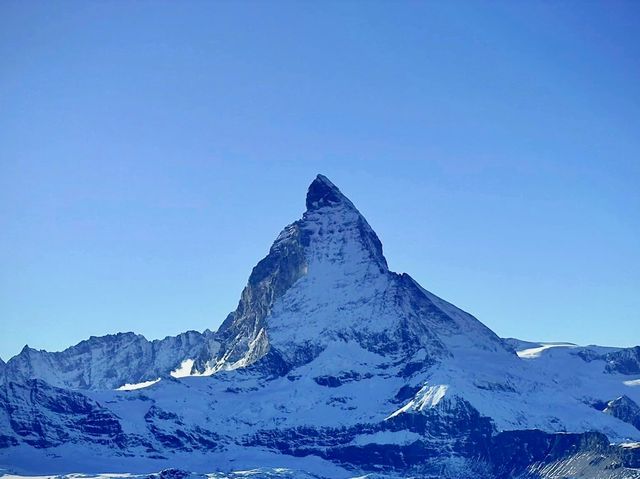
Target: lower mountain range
x=332 y=366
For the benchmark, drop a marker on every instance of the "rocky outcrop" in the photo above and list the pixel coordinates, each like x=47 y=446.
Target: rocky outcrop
x=43 y=416
x=624 y=361
x=243 y=333
x=540 y=455
x=625 y=409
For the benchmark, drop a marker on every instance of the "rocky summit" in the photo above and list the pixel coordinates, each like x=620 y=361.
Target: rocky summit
x=331 y=366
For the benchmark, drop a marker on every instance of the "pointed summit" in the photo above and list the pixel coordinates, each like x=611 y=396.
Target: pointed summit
x=332 y=246
x=324 y=193
x=336 y=223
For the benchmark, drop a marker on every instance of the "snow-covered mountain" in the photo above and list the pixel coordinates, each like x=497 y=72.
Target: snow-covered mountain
x=108 y=362
x=332 y=366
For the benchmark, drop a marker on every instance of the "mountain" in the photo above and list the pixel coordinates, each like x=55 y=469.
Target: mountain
x=331 y=366
x=326 y=279
x=108 y=362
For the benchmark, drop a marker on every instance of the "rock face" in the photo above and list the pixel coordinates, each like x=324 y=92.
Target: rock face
x=625 y=361
x=43 y=416
x=331 y=364
x=625 y=409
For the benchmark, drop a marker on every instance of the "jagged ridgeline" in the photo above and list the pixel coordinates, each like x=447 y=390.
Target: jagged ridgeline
x=330 y=366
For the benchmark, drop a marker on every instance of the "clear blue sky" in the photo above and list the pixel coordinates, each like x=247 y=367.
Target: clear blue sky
x=150 y=152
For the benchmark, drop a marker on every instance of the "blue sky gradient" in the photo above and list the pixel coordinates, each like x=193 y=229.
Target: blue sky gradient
x=150 y=152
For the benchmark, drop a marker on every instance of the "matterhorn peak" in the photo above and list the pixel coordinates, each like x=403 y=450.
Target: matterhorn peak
x=336 y=229
x=330 y=247
x=322 y=192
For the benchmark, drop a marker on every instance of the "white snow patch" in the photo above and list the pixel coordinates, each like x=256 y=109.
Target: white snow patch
x=142 y=385
x=427 y=397
x=184 y=370
x=630 y=445
x=533 y=353
x=186 y=367
x=430 y=396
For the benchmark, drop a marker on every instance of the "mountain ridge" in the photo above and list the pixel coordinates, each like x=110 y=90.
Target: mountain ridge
x=335 y=360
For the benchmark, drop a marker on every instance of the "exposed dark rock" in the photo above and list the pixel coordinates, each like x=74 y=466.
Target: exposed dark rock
x=624 y=361
x=406 y=392
x=337 y=381
x=243 y=332
x=45 y=416
x=625 y=409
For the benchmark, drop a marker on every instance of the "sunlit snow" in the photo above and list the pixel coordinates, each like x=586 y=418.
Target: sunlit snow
x=533 y=353
x=142 y=385
x=184 y=370
x=427 y=397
